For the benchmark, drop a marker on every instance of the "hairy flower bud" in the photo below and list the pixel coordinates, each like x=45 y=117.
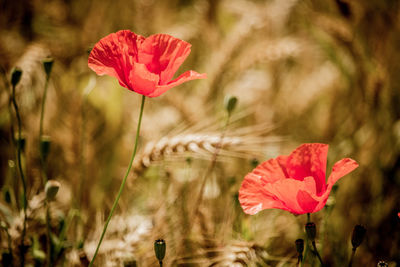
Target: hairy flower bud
x=16 y=74
x=20 y=141
x=311 y=231
x=45 y=143
x=51 y=189
x=230 y=103
x=159 y=249
x=358 y=235
x=300 y=245
x=48 y=65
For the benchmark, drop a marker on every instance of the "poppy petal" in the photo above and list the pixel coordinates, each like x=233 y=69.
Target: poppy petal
x=187 y=76
x=113 y=54
x=163 y=54
x=272 y=170
x=340 y=169
x=145 y=82
x=309 y=160
x=254 y=198
x=286 y=191
x=306 y=202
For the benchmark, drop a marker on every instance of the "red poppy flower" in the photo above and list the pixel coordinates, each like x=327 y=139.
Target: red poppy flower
x=295 y=183
x=144 y=65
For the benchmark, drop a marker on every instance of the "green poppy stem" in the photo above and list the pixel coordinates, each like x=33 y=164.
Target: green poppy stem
x=306 y=243
x=25 y=202
x=353 y=251
x=122 y=184
x=42 y=160
x=317 y=253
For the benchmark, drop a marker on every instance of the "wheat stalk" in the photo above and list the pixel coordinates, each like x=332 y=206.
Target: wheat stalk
x=199 y=145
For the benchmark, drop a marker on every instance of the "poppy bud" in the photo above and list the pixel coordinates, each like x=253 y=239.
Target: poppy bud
x=130 y=263
x=230 y=103
x=300 y=245
x=382 y=264
x=311 y=231
x=48 y=65
x=51 y=189
x=7 y=194
x=358 y=235
x=45 y=142
x=159 y=249
x=6 y=259
x=20 y=141
x=16 y=76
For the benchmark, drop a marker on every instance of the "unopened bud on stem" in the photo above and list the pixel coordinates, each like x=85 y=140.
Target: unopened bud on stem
x=45 y=144
x=159 y=249
x=230 y=103
x=16 y=74
x=311 y=231
x=51 y=189
x=48 y=65
x=358 y=235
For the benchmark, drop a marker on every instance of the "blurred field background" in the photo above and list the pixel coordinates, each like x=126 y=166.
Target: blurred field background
x=303 y=71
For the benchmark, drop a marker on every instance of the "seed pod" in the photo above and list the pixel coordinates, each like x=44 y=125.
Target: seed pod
x=159 y=249
x=311 y=231
x=48 y=65
x=358 y=235
x=51 y=189
x=45 y=144
x=230 y=103
x=16 y=74
x=300 y=245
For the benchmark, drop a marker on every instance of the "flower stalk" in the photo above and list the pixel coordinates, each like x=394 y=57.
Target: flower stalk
x=122 y=184
x=15 y=78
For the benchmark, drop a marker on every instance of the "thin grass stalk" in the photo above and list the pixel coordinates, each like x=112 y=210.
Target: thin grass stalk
x=42 y=161
x=122 y=184
x=22 y=249
x=211 y=167
x=48 y=239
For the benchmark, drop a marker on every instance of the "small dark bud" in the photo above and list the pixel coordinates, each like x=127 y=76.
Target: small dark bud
x=6 y=259
x=230 y=103
x=7 y=194
x=48 y=65
x=358 y=235
x=51 y=189
x=16 y=74
x=159 y=249
x=20 y=141
x=130 y=263
x=382 y=264
x=300 y=246
x=254 y=162
x=311 y=231
x=45 y=143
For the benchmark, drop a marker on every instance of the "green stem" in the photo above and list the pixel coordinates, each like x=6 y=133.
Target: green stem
x=211 y=167
x=353 y=251
x=49 y=258
x=306 y=242
x=161 y=265
x=44 y=175
x=317 y=253
x=43 y=105
x=22 y=176
x=122 y=184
